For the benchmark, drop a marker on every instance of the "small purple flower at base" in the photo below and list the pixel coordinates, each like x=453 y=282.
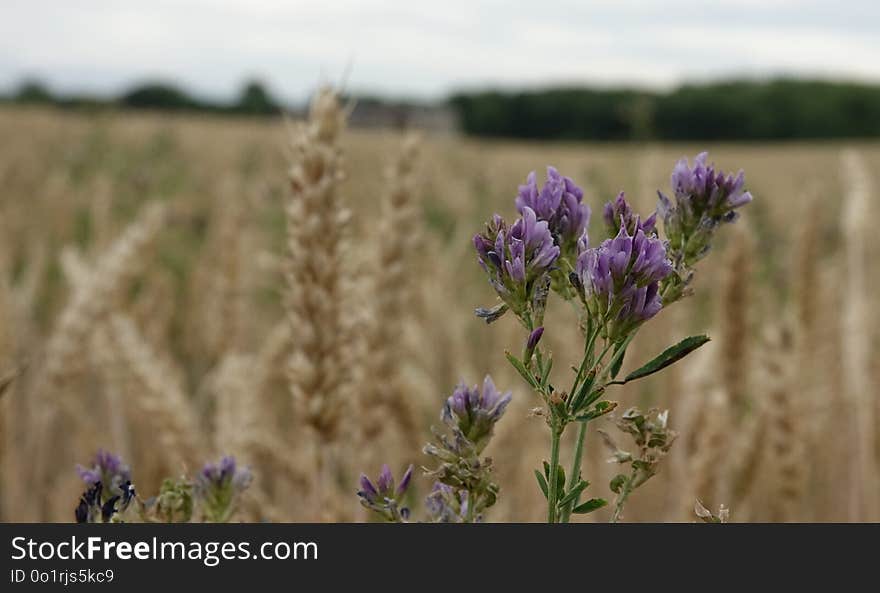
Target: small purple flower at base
x=619 y=213
x=559 y=203
x=475 y=412
x=620 y=280
x=383 y=498
x=445 y=506
x=515 y=258
x=108 y=469
x=219 y=486
x=97 y=505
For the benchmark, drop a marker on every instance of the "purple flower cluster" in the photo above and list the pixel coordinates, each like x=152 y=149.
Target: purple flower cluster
x=516 y=257
x=559 y=203
x=620 y=279
x=108 y=469
x=704 y=199
x=446 y=505
x=475 y=412
x=218 y=486
x=522 y=261
x=383 y=497
x=619 y=213
x=99 y=505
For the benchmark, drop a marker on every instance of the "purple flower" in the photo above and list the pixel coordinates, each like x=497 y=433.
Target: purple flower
x=620 y=280
x=445 y=506
x=474 y=412
x=619 y=213
x=707 y=189
x=108 y=469
x=704 y=199
x=96 y=504
x=534 y=338
x=384 y=487
x=516 y=257
x=224 y=474
x=558 y=203
x=218 y=487
x=383 y=497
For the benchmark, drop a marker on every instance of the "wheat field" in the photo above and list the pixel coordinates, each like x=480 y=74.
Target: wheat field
x=161 y=297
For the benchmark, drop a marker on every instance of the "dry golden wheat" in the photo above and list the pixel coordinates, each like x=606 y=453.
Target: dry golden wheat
x=856 y=340
x=392 y=286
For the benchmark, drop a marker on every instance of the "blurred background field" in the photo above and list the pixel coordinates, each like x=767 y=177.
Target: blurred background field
x=778 y=414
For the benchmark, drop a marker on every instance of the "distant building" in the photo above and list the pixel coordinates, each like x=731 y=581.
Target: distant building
x=431 y=118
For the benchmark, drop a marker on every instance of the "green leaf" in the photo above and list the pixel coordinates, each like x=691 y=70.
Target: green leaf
x=560 y=480
x=617 y=361
x=600 y=409
x=521 y=369
x=546 y=469
x=667 y=357
x=617 y=483
x=574 y=493
x=619 y=351
x=545 y=375
x=589 y=506
x=594 y=395
x=577 y=402
x=542 y=483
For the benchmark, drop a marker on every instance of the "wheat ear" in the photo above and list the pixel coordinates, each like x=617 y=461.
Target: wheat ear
x=393 y=288
x=161 y=400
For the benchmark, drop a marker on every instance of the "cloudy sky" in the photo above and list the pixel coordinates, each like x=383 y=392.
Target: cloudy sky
x=426 y=49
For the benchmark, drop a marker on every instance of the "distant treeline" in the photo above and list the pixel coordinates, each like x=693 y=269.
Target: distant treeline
x=253 y=99
x=733 y=110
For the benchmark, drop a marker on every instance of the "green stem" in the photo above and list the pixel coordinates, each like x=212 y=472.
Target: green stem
x=574 y=477
x=587 y=360
x=553 y=494
x=470 y=510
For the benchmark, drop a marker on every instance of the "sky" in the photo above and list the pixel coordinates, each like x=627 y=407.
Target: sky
x=425 y=50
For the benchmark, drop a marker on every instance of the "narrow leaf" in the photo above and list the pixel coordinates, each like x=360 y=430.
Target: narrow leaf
x=542 y=483
x=545 y=375
x=667 y=357
x=560 y=480
x=600 y=409
x=574 y=493
x=617 y=361
x=594 y=395
x=589 y=506
x=515 y=362
x=577 y=402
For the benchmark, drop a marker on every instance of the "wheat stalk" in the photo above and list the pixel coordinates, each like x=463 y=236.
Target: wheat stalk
x=95 y=294
x=160 y=399
x=786 y=460
x=218 y=282
x=319 y=314
x=735 y=305
x=393 y=290
x=864 y=494
x=92 y=298
x=711 y=444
